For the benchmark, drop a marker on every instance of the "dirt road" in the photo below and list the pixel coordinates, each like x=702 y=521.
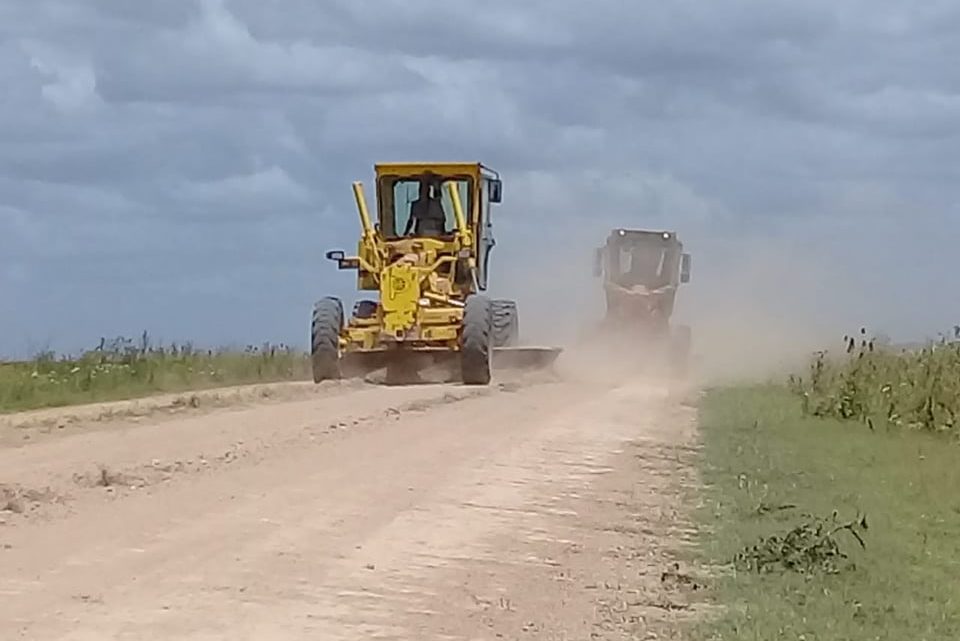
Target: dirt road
x=528 y=510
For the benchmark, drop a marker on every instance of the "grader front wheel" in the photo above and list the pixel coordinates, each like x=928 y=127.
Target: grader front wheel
x=476 y=341
x=325 y=326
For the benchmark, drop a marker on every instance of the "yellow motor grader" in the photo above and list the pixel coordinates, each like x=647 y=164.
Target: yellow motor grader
x=642 y=270
x=427 y=255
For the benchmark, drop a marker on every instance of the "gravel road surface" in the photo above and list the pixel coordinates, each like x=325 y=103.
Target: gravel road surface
x=537 y=508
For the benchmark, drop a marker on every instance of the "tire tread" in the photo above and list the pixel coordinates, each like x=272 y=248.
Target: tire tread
x=476 y=341
x=326 y=323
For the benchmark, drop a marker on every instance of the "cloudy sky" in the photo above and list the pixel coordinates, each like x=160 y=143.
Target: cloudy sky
x=181 y=166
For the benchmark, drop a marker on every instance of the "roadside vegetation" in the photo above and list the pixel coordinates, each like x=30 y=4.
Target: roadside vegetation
x=122 y=369
x=831 y=509
x=885 y=387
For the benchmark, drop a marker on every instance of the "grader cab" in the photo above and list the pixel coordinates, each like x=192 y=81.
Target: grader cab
x=426 y=253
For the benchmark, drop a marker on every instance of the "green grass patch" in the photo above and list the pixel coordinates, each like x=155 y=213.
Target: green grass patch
x=775 y=475
x=122 y=370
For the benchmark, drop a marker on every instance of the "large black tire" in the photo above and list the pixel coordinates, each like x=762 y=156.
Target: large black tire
x=506 y=323
x=325 y=329
x=476 y=340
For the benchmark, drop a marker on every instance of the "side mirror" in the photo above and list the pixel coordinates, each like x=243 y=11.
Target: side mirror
x=685 y=268
x=597 y=263
x=495 y=192
x=342 y=261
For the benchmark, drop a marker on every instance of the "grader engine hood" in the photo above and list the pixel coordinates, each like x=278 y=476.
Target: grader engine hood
x=399 y=297
x=639 y=303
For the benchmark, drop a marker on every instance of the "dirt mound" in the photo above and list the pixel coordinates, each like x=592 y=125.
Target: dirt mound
x=17 y=499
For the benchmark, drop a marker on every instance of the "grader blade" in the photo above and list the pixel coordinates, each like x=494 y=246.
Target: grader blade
x=524 y=357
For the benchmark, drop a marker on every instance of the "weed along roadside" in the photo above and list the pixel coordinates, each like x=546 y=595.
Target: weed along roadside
x=883 y=387
x=819 y=523
x=122 y=369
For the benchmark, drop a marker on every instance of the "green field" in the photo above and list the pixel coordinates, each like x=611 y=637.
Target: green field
x=865 y=449
x=122 y=369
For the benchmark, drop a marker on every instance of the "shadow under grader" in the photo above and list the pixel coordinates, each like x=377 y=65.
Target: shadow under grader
x=426 y=368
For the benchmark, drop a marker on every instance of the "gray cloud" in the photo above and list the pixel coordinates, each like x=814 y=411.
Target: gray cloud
x=178 y=166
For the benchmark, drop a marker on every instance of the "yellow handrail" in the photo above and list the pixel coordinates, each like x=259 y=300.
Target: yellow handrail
x=458 y=209
x=365 y=221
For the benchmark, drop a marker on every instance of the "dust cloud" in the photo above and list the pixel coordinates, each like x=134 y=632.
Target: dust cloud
x=758 y=306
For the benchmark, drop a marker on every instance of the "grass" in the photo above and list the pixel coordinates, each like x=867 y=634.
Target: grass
x=773 y=470
x=122 y=369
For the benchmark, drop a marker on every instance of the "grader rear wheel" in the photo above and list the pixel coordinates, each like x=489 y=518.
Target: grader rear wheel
x=365 y=308
x=506 y=323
